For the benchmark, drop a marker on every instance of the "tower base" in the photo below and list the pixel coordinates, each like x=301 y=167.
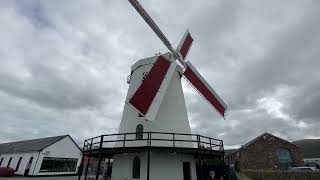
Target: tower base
x=123 y=159
x=162 y=165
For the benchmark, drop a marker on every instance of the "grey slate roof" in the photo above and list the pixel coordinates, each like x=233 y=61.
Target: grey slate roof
x=310 y=148
x=29 y=145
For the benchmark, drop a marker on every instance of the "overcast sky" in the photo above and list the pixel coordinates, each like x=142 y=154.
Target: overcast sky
x=64 y=64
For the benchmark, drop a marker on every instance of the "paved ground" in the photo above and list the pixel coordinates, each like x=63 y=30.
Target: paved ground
x=41 y=178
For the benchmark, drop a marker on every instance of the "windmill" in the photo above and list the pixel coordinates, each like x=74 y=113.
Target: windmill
x=148 y=97
x=154 y=140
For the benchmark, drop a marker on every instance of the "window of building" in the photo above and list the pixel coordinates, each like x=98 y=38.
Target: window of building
x=30 y=162
x=139 y=131
x=9 y=162
x=18 y=165
x=51 y=164
x=136 y=167
x=26 y=171
x=1 y=161
x=284 y=158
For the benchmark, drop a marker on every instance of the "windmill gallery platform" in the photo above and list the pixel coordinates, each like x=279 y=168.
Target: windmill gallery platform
x=154 y=141
x=101 y=151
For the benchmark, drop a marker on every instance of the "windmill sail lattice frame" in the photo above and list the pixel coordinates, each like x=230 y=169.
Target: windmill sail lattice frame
x=147 y=99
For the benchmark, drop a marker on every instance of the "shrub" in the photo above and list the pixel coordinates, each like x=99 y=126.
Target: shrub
x=6 y=172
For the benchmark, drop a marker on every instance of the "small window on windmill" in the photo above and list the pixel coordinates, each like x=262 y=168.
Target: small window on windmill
x=139 y=131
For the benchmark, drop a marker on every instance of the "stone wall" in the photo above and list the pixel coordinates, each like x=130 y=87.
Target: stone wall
x=280 y=175
x=261 y=154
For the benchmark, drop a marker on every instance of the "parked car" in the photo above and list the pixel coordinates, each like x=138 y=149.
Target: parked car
x=304 y=169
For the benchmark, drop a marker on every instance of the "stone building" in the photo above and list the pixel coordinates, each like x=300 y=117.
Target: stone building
x=266 y=152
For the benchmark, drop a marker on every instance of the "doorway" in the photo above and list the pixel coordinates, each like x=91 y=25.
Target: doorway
x=186 y=171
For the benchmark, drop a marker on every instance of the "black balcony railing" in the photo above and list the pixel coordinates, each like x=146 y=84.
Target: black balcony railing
x=150 y=139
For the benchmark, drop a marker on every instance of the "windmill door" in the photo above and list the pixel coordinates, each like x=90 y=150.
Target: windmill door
x=186 y=171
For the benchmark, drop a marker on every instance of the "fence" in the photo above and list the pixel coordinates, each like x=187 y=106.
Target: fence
x=163 y=139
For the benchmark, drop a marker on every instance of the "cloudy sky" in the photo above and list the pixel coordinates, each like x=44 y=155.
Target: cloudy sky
x=64 y=64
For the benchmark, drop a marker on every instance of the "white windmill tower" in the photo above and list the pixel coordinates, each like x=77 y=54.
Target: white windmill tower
x=154 y=139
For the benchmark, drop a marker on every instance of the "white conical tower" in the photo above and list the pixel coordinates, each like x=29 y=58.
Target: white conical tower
x=172 y=118
x=172 y=115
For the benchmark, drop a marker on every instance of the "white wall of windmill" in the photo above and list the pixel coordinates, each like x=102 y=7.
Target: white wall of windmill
x=130 y=116
x=171 y=117
x=162 y=166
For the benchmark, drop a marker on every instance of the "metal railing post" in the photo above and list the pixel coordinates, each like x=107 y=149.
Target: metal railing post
x=198 y=140
x=100 y=158
x=221 y=146
x=124 y=140
x=80 y=170
x=210 y=143
x=87 y=167
x=148 y=164
x=150 y=139
x=173 y=139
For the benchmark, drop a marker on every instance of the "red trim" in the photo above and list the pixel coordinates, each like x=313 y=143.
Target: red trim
x=186 y=46
x=203 y=90
x=143 y=97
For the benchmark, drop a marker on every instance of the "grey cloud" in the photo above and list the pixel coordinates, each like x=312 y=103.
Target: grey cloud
x=64 y=65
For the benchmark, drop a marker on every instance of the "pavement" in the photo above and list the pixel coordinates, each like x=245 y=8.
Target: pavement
x=241 y=176
x=41 y=178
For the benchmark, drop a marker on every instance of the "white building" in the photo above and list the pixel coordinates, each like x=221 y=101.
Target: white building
x=41 y=157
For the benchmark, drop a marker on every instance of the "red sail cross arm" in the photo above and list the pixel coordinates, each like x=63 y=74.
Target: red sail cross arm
x=185 y=44
x=145 y=94
x=204 y=91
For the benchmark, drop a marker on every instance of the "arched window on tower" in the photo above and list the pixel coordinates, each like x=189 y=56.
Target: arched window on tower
x=136 y=167
x=139 y=131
